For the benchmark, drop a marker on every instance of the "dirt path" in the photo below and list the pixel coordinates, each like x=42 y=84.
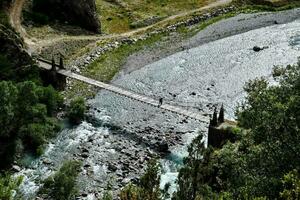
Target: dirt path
x=15 y=17
x=34 y=45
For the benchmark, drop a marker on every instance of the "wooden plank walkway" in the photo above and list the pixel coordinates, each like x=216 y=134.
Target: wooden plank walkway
x=120 y=91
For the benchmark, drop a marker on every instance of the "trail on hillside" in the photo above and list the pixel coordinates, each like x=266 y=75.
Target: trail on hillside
x=15 y=17
x=35 y=45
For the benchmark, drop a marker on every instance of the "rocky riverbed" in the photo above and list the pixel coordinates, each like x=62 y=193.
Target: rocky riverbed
x=121 y=135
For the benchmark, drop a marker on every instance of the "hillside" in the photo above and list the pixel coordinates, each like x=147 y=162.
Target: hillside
x=130 y=112
x=118 y=16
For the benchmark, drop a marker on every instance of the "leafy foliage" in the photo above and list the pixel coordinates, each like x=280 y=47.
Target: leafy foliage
x=26 y=114
x=9 y=185
x=291 y=185
x=263 y=163
x=62 y=185
x=147 y=189
x=76 y=110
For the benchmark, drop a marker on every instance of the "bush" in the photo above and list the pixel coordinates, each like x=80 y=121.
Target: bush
x=148 y=187
x=76 y=110
x=253 y=166
x=291 y=185
x=8 y=186
x=62 y=185
x=26 y=111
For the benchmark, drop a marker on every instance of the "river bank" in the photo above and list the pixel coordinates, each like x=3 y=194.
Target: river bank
x=222 y=29
x=115 y=146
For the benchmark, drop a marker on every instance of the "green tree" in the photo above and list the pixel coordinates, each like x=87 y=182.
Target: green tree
x=8 y=96
x=8 y=186
x=267 y=149
x=51 y=98
x=26 y=116
x=148 y=187
x=77 y=110
x=62 y=185
x=291 y=186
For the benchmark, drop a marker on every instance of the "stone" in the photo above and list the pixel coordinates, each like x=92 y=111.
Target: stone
x=163 y=147
x=84 y=155
x=16 y=168
x=87 y=166
x=84 y=150
x=257 y=49
x=84 y=195
x=47 y=161
x=112 y=167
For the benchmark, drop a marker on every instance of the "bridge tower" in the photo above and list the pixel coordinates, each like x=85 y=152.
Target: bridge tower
x=61 y=62
x=53 y=65
x=53 y=78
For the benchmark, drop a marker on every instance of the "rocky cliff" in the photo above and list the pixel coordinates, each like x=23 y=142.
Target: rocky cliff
x=79 y=12
x=12 y=47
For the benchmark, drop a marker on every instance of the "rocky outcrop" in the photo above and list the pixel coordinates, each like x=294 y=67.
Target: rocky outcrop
x=12 y=50
x=79 y=12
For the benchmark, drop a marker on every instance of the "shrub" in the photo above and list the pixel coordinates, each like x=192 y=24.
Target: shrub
x=62 y=185
x=76 y=110
x=8 y=186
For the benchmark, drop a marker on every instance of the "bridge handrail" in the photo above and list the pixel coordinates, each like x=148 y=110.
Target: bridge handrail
x=46 y=61
x=127 y=92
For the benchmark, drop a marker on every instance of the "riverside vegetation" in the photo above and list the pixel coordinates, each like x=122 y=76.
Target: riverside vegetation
x=262 y=164
x=28 y=108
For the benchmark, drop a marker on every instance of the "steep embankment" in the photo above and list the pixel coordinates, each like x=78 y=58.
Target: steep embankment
x=35 y=45
x=80 y=12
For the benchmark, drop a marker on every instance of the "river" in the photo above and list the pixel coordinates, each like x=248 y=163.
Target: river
x=119 y=141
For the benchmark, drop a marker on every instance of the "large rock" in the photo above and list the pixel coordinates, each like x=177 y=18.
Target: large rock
x=163 y=147
x=12 y=52
x=79 y=12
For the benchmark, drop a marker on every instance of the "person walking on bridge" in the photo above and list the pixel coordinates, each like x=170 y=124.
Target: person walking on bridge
x=160 y=102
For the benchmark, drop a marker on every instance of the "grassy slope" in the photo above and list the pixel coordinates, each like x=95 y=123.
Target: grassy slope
x=117 y=16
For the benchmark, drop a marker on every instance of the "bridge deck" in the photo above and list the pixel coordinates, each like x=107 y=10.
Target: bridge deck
x=129 y=94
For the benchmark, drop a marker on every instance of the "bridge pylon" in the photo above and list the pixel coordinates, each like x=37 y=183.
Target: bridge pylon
x=61 y=62
x=53 y=65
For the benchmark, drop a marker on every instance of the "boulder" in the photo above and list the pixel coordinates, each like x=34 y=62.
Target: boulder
x=79 y=12
x=16 y=168
x=12 y=51
x=257 y=49
x=163 y=147
x=112 y=167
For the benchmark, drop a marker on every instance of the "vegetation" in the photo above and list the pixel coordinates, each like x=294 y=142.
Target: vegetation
x=267 y=5
x=26 y=116
x=105 y=68
x=77 y=110
x=263 y=162
x=8 y=186
x=120 y=16
x=62 y=185
x=148 y=187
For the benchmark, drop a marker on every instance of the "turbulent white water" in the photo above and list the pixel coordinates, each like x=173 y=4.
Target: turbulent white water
x=216 y=72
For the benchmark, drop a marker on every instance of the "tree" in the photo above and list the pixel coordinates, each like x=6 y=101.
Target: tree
x=8 y=186
x=26 y=117
x=62 y=185
x=268 y=149
x=148 y=187
x=76 y=110
x=214 y=121
x=221 y=118
x=8 y=96
x=291 y=185
x=51 y=98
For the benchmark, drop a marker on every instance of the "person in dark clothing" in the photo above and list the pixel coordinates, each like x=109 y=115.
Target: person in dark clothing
x=160 y=102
